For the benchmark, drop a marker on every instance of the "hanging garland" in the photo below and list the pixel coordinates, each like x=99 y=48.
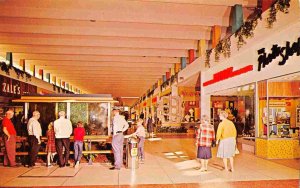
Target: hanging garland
x=247 y=29
x=207 y=58
x=280 y=5
x=6 y=68
x=223 y=47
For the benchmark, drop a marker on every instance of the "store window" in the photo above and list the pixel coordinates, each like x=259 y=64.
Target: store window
x=239 y=102
x=283 y=107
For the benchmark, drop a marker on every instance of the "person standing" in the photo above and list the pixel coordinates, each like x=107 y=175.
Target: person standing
x=226 y=135
x=9 y=140
x=141 y=134
x=150 y=126
x=205 y=137
x=79 y=133
x=62 y=130
x=34 y=137
x=119 y=126
x=50 y=147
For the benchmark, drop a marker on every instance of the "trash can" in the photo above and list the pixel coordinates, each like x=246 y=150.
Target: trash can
x=132 y=161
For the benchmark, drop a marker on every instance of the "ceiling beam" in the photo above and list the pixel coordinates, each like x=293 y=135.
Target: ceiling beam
x=98 y=41
x=118 y=11
x=92 y=50
x=92 y=58
x=106 y=29
x=86 y=64
x=247 y=3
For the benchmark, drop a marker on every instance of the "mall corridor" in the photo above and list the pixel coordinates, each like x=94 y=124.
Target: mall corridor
x=170 y=162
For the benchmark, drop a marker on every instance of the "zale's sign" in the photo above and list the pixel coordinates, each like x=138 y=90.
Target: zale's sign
x=227 y=73
x=285 y=52
x=15 y=88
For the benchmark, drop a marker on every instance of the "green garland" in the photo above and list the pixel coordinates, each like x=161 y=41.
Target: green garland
x=280 y=5
x=247 y=29
x=207 y=58
x=223 y=47
x=6 y=68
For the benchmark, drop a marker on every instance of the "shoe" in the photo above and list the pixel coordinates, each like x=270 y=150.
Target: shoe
x=114 y=168
x=202 y=170
x=61 y=166
x=76 y=164
x=49 y=165
x=68 y=164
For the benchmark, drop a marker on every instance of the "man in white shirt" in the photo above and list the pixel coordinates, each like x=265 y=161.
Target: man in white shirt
x=63 y=130
x=34 y=137
x=119 y=126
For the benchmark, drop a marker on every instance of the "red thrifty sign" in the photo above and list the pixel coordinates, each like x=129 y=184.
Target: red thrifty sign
x=228 y=73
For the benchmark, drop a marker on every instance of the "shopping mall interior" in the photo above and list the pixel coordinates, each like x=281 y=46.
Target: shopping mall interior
x=194 y=80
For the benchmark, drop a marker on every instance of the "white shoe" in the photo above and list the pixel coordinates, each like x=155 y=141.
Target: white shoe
x=76 y=165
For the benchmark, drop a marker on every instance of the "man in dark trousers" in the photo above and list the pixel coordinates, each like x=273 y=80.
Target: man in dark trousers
x=63 y=130
x=34 y=137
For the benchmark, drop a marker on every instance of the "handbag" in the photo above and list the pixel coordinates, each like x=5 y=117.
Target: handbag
x=237 y=151
x=213 y=143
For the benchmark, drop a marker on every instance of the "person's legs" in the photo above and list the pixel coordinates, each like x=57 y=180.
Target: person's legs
x=80 y=148
x=66 y=144
x=141 y=148
x=49 y=159
x=34 y=151
x=225 y=163
x=76 y=151
x=121 y=146
x=205 y=164
x=202 y=169
x=231 y=163
x=117 y=144
x=10 y=148
x=59 y=150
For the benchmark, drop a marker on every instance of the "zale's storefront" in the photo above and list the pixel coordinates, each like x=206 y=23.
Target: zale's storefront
x=12 y=89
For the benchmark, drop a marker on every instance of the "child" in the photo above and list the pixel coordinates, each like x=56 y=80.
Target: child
x=50 y=148
x=79 y=133
x=141 y=134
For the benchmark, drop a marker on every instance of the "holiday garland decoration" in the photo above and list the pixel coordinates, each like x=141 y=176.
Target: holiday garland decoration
x=247 y=29
x=6 y=68
x=223 y=47
x=207 y=58
x=280 y=5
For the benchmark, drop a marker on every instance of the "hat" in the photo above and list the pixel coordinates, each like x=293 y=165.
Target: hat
x=116 y=108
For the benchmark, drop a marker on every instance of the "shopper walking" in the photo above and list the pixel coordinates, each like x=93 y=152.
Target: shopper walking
x=50 y=147
x=226 y=135
x=34 y=137
x=63 y=130
x=205 y=137
x=79 y=134
x=9 y=140
x=119 y=126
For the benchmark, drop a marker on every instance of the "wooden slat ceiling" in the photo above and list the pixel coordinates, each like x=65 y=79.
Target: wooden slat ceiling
x=121 y=47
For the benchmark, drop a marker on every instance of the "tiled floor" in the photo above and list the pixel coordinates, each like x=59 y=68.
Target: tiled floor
x=169 y=163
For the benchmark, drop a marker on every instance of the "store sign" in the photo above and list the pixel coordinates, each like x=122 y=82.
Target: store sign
x=14 y=88
x=228 y=73
x=285 y=52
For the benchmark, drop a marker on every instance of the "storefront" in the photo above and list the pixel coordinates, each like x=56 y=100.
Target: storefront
x=260 y=87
